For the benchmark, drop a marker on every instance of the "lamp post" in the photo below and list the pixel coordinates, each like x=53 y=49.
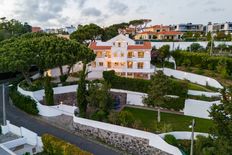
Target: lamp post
x=3 y=105
x=192 y=136
x=4 y=102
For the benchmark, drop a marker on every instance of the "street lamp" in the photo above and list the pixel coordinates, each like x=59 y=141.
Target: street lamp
x=4 y=103
x=192 y=136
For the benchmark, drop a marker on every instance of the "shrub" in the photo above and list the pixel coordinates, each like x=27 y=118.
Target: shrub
x=176 y=104
x=56 y=146
x=48 y=90
x=24 y=103
x=126 y=118
x=170 y=139
x=63 y=78
x=203 y=60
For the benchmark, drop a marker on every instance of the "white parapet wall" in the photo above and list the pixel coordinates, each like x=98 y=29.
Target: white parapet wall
x=198 y=108
x=154 y=140
x=202 y=93
x=194 y=78
x=27 y=137
x=50 y=111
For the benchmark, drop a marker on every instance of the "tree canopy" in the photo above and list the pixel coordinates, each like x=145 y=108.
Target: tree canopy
x=87 y=33
x=43 y=50
x=11 y=28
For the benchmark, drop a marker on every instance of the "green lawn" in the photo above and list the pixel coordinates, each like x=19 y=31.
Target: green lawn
x=193 y=86
x=178 y=122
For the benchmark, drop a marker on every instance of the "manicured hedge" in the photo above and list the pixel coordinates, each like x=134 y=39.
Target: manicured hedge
x=178 y=88
x=201 y=60
x=176 y=104
x=24 y=103
x=117 y=82
x=56 y=146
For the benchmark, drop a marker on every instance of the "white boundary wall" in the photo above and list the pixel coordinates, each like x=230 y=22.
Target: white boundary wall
x=194 y=78
x=50 y=111
x=194 y=108
x=154 y=140
x=28 y=137
x=184 y=135
x=201 y=93
x=198 y=108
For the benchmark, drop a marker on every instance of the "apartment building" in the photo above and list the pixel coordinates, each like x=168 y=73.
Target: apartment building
x=189 y=27
x=220 y=27
x=124 y=56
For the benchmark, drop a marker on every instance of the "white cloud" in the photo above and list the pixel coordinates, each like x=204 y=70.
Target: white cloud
x=49 y=13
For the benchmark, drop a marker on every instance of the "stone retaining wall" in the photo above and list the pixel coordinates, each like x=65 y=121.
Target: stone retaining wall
x=130 y=144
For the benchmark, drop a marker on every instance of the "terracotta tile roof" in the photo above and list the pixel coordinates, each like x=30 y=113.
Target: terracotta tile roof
x=148 y=32
x=170 y=33
x=158 y=26
x=93 y=46
x=145 y=45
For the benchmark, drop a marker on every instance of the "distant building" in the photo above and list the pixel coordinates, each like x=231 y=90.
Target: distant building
x=124 y=56
x=148 y=35
x=169 y=35
x=189 y=27
x=36 y=29
x=164 y=35
x=220 y=27
x=157 y=28
x=52 y=31
x=70 y=29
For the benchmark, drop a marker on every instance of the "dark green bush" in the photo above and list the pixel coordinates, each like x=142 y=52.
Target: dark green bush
x=56 y=146
x=176 y=104
x=24 y=103
x=63 y=78
x=202 y=61
x=170 y=139
x=48 y=90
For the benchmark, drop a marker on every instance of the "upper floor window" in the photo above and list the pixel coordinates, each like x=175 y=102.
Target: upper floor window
x=119 y=44
x=101 y=63
x=141 y=54
x=108 y=54
x=140 y=65
x=122 y=54
x=129 y=64
x=130 y=54
x=115 y=54
x=99 y=54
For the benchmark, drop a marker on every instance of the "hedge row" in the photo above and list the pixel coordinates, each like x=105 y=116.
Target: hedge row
x=176 y=104
x=24 y=103
x=56 y=146
x=117 y=82
x=202 y=60
x=178 y=88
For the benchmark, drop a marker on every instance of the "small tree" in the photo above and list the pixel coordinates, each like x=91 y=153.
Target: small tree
x=49 y=98
x=164 y=52
x=158 y=89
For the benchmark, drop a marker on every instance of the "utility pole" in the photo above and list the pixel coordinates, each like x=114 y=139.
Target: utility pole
x=3 y=105
x=211 y=47
x=192 y=137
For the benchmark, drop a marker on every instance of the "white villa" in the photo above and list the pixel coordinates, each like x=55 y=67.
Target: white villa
x=124 y=56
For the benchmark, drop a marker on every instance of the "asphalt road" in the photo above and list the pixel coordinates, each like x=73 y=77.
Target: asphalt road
x=19 y=118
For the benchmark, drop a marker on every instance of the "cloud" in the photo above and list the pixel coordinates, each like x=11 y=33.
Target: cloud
x=117 y=7
x=91 y=12
x=214 y=9
x=39 y=10
x=81 y=3
x=142 y=9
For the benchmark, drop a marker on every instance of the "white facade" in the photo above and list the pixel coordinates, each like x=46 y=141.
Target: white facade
x=124 y=56
x=189 y=27
x=220 y=27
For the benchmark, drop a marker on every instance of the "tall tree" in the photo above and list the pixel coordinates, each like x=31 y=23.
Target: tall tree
x=87 y=33
x=158 y=89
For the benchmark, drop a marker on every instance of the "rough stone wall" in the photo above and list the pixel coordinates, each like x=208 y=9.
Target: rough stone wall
x=130 y=144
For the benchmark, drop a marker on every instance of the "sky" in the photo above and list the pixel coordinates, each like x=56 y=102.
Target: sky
x=60 y=13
